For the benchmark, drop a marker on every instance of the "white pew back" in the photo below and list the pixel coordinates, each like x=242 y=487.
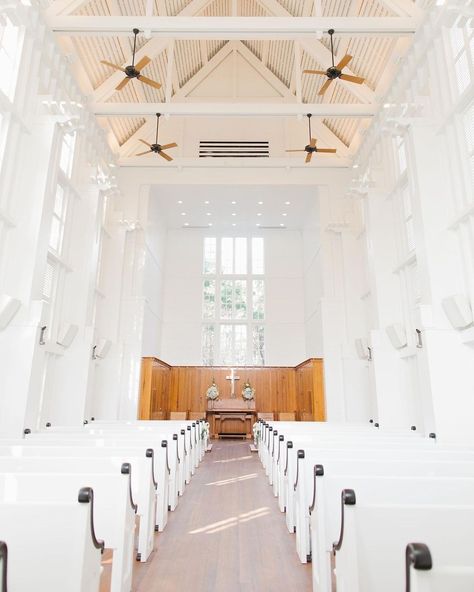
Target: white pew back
x=69 y=556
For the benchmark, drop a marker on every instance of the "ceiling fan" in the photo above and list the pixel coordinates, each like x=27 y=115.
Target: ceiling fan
x=158 y=148
x=311 y=147
x=335 y=71
x=134 y=70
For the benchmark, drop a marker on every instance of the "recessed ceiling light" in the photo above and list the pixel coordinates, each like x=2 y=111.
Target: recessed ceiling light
x=260 y=203
x=259 y=213
x=258 y=224
x=234 y=224
x=210 y=224
x=180 y=201
x=234 y=214
x=284 y=214
x=186 y=223
x=208 y=214
x=233 y=203
x=282 y=225
x=355 y=166
x=287 y=203
x=183 y=213
x=206 y=202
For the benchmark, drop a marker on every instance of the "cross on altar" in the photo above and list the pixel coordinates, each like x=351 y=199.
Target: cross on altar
x=232 y=379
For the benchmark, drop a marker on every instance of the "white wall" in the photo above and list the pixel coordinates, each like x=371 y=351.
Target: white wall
x=182 y=314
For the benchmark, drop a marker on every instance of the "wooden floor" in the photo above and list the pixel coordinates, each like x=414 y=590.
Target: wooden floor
x=227 y=534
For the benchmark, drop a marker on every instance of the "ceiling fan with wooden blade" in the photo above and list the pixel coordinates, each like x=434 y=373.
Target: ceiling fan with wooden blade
x=158 y=148
x=310 y=148
x=134 y=70
x=335 y=71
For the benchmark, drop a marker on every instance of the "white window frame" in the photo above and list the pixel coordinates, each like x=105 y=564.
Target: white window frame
x=217 y=321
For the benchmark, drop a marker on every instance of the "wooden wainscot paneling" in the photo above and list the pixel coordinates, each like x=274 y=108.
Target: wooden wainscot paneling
x=274 y=387
x=310 y=390
x=298 y=391
x=155 y=386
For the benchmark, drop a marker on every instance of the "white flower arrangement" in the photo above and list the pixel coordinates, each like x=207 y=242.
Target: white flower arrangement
x=205 y=431
x=248 y=393
x=256 y=433
x=212 y=392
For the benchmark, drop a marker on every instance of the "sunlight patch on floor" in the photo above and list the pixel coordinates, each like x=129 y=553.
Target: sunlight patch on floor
x=233 y=480
x=228 y=460
x=232 y=521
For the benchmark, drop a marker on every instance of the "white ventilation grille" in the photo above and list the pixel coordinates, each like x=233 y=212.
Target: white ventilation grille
x=233 y=149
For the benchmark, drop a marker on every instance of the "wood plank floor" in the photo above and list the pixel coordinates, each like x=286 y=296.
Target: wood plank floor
x=227 y=534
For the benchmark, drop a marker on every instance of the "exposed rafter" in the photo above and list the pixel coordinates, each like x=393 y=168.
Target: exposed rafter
x=231 y=27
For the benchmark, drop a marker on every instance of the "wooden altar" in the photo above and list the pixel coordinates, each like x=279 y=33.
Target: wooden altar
x=231 y=418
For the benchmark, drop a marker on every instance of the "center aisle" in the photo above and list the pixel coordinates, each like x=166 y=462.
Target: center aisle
x=227 y=535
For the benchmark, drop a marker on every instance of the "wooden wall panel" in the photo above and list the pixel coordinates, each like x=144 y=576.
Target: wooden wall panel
x=297 y=390
x=155 y=387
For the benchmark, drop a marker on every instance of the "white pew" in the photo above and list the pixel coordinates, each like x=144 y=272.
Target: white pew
x=114 y=509
x=423 y=576
x=90 y=460
x=378 y=445
x=52 y=546
x=371 y=555
x=300 y=482
x=326 y=511
x=154 y=442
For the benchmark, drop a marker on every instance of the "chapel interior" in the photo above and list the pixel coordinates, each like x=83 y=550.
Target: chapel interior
x=236 y=295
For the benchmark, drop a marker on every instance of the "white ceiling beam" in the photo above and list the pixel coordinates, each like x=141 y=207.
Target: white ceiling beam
x=234 y=109
x=321 y=161
x=232 y=27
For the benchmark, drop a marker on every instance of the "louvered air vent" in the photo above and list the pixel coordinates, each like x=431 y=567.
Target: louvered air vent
x=233 y=149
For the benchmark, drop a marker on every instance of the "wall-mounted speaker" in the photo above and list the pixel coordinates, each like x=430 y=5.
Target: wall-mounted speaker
x=397 y=335
x=8 y=308
x=67 y=334
x=102 y=348
x=458 y=310
x=361 y=348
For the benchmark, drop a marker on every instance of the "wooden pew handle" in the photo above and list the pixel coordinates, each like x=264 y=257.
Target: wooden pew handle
x=300 y=454
x=126 y=469
x=86 y=496
x=175 y=437
x=289 y=444
x=150 y=453
x=164 y=444
x=4 y=564
x=318 y=471
x=417 y=555
x=281 y=437
x=348 y=498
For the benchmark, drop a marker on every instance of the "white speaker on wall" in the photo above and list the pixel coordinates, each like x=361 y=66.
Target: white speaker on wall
x=67 y=334
x=8 y=308
x=102 y=348
x=361 y=348
x=397 y=335
x=458 y=310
